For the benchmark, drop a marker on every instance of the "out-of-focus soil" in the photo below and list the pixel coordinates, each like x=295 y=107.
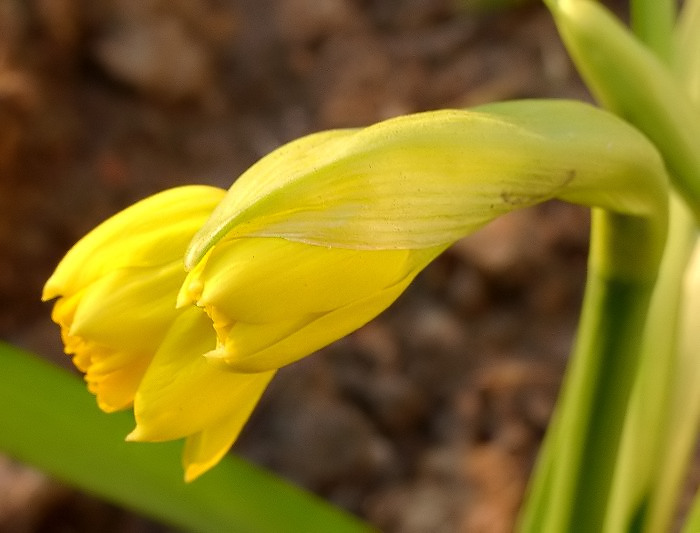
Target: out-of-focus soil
x=426 y=420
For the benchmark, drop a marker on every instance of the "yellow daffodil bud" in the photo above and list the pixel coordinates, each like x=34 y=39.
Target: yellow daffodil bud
x=312 y=242
x=117 y=291
x=323 y=234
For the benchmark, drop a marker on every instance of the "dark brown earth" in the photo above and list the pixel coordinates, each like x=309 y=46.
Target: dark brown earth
x=426 y=420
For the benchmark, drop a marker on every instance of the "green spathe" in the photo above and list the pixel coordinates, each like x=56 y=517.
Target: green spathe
x=428 y=179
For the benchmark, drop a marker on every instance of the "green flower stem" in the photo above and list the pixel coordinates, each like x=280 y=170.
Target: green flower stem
x=627 y=78
x=630 y=80
x=683 y=399
x=687 y=416
x=683 y=413
x=660 y=429
x=652 y=21
x=572 y=482
x=643 y=455
x=50 y=421
x=687 y=60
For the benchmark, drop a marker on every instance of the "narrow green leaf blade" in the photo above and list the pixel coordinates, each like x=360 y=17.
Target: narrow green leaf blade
x=47 y=419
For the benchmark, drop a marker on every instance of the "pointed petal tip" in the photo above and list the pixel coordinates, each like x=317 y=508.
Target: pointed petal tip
x=193 y=471
x=189 y=293
x=218 y=359
x=136 y=435
x=183 y=299
x=192 y=257
x=49 y=291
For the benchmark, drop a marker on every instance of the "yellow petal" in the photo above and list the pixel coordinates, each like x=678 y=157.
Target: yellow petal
x=205 y=449
x=154 y=231
x=64 y=310
x=112 y=374
x=130 y=308
x=262 y=347
x=267 y=280
x=116 y=386
x=182 y=394
x=117 y=289
x=272 y=173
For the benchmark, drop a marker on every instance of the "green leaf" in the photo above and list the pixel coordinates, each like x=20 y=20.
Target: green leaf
x=652 y=21
x=50 y=421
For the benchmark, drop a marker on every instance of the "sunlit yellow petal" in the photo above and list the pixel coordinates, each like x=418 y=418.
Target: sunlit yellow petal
x=154 y=231
x=117 y=290
x=115 y=387
x=265 y=280
x=261 y=347
x=131 y=308
x=182 y=393
x=112 y=375
x=206 y=448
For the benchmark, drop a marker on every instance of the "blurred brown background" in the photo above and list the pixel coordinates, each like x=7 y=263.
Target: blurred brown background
x=426 y=420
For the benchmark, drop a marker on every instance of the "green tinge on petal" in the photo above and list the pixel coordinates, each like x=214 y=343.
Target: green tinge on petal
x=264 y=347
x=267 y=280
x=272 y=173
x=182 y=394
x=151 y=232
x=428 y=179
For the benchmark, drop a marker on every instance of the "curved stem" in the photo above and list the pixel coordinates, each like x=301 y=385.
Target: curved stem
x=628 y=79
x=644 y=450
x=652 y=21
x=683 y=404
x=572 y=482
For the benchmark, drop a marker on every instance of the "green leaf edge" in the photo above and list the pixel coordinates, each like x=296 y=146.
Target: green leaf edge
x=48 y=420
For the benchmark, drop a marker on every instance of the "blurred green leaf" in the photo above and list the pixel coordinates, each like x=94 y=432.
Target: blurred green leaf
x=48 y=420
